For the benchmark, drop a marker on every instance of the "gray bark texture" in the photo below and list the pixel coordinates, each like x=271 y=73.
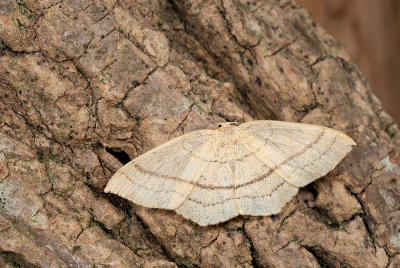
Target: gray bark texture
x=87 y=85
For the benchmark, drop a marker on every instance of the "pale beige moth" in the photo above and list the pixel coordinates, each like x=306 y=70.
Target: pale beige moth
x=210 y=176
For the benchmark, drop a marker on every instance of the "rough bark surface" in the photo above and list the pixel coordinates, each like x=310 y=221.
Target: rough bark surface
x=86 y=85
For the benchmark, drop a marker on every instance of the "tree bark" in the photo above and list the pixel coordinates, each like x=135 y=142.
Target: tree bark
x=87 y=85
x=371 y=33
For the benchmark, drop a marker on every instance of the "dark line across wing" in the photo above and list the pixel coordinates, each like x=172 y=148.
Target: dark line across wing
x=152 y=190
x=228 y=187
x=237 y=198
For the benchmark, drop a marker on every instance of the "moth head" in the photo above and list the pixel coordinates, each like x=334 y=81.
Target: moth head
x=222 y=125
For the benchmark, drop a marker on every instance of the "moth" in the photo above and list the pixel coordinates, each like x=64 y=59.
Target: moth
x=212 y=175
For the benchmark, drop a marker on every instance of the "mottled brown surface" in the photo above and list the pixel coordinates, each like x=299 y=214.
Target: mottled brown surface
x=81 y=81
x=370 y=31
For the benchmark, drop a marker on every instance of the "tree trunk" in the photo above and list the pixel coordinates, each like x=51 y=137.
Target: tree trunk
x=86 y=86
